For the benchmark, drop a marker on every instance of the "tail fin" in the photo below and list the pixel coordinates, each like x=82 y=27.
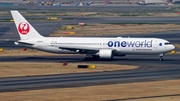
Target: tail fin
x=24 y=28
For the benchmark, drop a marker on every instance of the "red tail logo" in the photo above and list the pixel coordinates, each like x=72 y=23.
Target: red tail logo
x=23 y=28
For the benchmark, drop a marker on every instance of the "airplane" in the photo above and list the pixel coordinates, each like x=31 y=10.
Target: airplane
x=93 y=47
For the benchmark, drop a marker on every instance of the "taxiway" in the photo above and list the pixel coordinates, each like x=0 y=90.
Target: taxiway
x=87 y=79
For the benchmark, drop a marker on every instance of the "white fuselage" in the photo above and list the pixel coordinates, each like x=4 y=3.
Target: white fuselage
x=103 y=48
x=119 y=45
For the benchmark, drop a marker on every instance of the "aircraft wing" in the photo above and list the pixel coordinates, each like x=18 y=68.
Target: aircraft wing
x=81 y=50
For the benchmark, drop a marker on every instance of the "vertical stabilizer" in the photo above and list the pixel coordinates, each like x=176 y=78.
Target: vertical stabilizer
x=24 y=28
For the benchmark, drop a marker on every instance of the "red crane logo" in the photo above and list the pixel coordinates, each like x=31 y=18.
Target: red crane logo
x=23 y=28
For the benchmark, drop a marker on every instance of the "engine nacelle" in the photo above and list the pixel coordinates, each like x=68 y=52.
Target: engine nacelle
x=106 y=54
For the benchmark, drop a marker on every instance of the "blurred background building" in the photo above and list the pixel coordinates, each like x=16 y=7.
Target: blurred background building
x=88 y=2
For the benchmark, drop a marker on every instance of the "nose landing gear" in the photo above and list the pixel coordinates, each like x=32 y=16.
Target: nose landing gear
x=161 y=57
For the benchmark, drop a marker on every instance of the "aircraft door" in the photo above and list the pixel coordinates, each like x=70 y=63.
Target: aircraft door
x=40 y=44
x=155 y=44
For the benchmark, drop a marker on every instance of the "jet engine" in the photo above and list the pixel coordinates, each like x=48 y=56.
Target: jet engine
x=106 y=54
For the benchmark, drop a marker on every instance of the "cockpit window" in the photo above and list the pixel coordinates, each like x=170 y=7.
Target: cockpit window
x=167 y=43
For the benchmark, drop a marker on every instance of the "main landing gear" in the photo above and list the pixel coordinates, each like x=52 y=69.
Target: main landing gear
x=161 y=57
x=92 y=57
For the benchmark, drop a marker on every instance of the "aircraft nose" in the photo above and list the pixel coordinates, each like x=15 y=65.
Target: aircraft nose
x=173 y=47
x=170 y=47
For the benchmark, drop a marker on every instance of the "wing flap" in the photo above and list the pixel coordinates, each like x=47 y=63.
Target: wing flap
x=81 y=50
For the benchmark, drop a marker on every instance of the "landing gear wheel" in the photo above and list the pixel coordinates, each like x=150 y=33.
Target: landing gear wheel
x=95 y=57
x=161 y=57
x=88 y=57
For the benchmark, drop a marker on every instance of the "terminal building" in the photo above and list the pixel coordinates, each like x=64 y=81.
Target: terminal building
x=90 y=2
x=176 y=1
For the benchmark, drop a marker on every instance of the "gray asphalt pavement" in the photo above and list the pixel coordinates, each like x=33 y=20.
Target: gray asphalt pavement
x=150 y=68
x=127 y=9
x=128 y=20
x=89 y=19
x=87 y=79
x=170 y=60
